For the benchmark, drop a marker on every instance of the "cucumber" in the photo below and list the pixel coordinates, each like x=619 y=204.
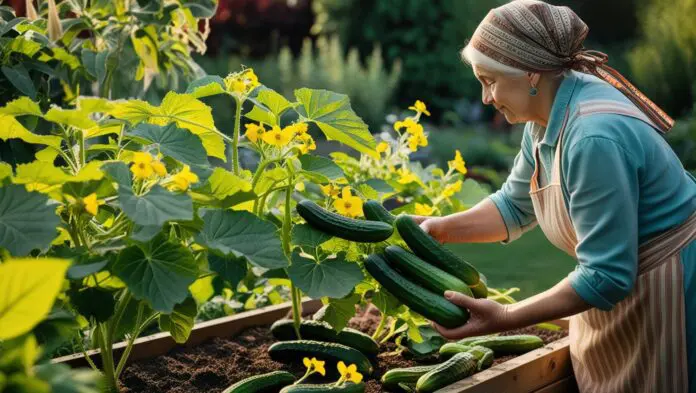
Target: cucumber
x=283 y=329
x=479 y=290
x=374 y=211
x=429 y=304
x=347 y=387
x=294 y=351
x=364 y=231
x=457 y=367
x=423 y=273
x=511 y=345
x=270 y=382
x=470 y=340
x=407 y=375
x=429 y=249
x=408 y=387
x=450 y=349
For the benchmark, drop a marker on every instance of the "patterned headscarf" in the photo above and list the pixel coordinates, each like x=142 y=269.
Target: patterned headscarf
x=534 y=36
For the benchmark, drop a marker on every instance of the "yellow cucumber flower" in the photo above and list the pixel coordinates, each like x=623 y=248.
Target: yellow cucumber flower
x=458 y=163
x=349 y=373
x=319 y=366
x=424 y=209
x=159 y=168
x=298 y=128
x=451 y=189
x=307 y=363
x=382 y=147
x=406 y=176
x=417 y=139
x=184 y=179
x=142 y=168
x=420 y=107
x=411 y=126
x=306 y=144
x=253 y=131
x=277 y=137
x=348 y=205
x=92 y=204
x=330 y=190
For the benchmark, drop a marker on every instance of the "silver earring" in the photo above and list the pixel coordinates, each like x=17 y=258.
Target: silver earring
x=533 y=91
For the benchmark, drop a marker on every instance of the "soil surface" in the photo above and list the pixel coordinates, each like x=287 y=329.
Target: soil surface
x=220 y=362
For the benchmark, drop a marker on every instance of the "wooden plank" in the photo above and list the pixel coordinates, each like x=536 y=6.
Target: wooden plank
x=565 y=385
x=161 y=343
x=524 y=374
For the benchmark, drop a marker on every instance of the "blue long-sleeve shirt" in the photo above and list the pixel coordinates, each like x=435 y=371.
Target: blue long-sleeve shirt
x=622 y=184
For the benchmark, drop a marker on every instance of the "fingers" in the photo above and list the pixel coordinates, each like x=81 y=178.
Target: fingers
x=462 y=300
x=418 y=219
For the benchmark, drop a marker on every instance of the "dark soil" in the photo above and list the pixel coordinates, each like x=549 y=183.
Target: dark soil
x=218 y=363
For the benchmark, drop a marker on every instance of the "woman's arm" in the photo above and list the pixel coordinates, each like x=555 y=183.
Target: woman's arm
x=488 y=316
x=480 y=224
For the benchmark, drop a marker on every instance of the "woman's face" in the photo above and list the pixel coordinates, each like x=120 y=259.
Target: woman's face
x=508 y=94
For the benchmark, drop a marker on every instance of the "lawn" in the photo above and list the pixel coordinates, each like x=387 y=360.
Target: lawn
x=530 y=263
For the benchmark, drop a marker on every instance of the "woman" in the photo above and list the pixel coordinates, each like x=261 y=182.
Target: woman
x=597 y=176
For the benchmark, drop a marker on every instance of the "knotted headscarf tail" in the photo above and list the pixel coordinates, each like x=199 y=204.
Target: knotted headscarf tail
x=534 y=36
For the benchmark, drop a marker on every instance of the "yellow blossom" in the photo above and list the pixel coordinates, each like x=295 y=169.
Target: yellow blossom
x=306 y=143
x=458 y=163
x=451 y=189
x=420 y=107
x=349 y=373
x=319 y=366
x=348 y=205
x=412 y=127
x=159 y=168
x=423 y=209
x=298 y=128
x=250 y=79
x=241 y=83
x=277 y=137
x=330 y=190
x=92 y=204
x=406 y=176
x=184 y=179
x=417 y=139
x=253 y=131
x=142 y=168
x=382 y=147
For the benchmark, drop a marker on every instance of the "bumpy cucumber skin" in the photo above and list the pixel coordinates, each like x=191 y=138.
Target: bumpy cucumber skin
x=430 y=305
x=429 y=276
x=270 y=382
x=374 y=211
x=363 y=231
x=450 y=349
x=294 y=351
x=470 y=340
x=283 y=329
x=486 y=361
x=511 y=345
x=406 y=375
x=325 y=388
x=457 y=367
x=431 y=251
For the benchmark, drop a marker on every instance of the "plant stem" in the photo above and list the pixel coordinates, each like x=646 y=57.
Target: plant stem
x=235 y=136
x=83 y=151
x=105 y=350
x=287 y=225
x=392 y=331
x=380 y=327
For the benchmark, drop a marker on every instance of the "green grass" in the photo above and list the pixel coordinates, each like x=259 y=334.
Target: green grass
x=530 y=263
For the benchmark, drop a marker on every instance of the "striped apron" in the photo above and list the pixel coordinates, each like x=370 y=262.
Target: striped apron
x=640 y=345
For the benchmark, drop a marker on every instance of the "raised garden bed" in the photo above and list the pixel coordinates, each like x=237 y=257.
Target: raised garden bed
x=226 y=350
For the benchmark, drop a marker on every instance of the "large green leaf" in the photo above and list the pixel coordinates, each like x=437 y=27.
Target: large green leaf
x=334 y=116
x=242 y=234
x=93 y=303
x=304 y=235
x=18 y=76
x=333 y=277
x=22 y=106
x=337 y=312
x=159 y=272
x=10 y=128
x=206 y=86
x=230 y=268
x=28 y=220
x=322 y=166
x=174 y=142
x=77 y=118
x=260 y=115
x=275 y=102
x=470 y=194
x=180 y=322
x=222 y=184
x=29 y=288
x=155 y=207
x=430 y=342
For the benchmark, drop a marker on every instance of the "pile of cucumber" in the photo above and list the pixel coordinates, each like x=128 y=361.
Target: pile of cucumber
x=418 y=278
x=464 y=358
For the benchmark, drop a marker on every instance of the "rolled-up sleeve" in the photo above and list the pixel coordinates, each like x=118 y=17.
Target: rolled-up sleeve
x=602 y=184
x=512 y=200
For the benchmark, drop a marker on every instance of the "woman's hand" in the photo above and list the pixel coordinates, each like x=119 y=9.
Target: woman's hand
x=432 y=226
x=486 y=317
